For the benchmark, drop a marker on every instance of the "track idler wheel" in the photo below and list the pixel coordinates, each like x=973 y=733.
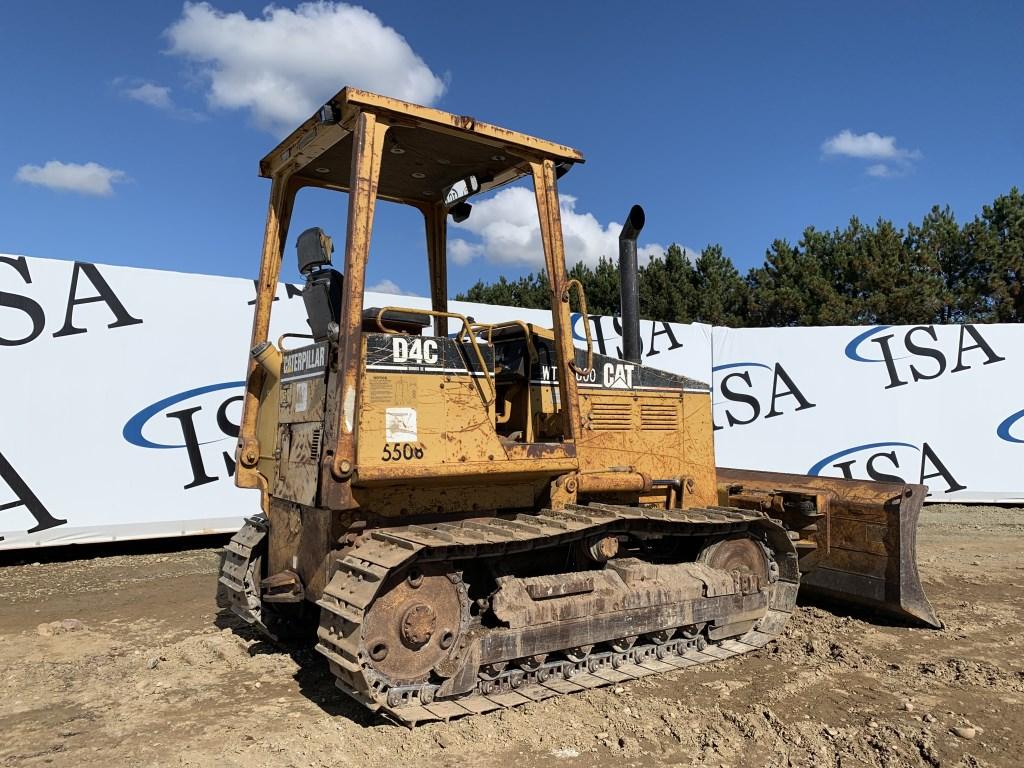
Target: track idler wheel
x=742 y=556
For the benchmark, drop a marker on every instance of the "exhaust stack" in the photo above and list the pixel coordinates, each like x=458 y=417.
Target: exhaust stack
x=629 y=296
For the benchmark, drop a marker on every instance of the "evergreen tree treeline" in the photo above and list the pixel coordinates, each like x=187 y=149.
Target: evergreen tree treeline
x=934 y=272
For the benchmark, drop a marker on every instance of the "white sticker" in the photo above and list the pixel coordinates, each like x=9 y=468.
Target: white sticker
x=348 y=409
x=400 y=425
x=301 y=396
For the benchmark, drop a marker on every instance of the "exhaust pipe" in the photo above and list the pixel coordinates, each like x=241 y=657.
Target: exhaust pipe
x=629 y=287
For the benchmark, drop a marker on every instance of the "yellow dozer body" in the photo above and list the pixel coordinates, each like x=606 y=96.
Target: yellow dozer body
x=471 y=516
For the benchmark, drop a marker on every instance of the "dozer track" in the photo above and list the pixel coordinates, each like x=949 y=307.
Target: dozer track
x=554 y=636
x=240 y=570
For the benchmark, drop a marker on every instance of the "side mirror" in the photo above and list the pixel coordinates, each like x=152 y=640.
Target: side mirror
x=460 y=190
x=460 y=212
x=314 y=248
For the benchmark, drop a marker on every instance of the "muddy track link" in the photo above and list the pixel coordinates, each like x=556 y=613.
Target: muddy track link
x=239 y=579
x=366 y=568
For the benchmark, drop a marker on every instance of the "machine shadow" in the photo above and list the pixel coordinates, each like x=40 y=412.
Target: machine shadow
x=868 y=615
x=127 y=547
x=313 y=675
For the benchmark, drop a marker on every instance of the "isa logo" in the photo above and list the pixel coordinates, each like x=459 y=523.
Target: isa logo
x=1011 y=429
x=745 y=392
x=655 y=337
x=187 y=422
x=922 y=353
x=889 y=462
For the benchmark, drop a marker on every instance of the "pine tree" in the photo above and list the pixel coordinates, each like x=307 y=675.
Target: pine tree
x=721 y=294
x=997 y=241
x=893 y=282
x=964 y=276
x=666 y=285
x=935 y=272
x=806 y=284
x=530 y=291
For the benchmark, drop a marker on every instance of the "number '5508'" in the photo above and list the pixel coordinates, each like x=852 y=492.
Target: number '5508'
x=401 y=452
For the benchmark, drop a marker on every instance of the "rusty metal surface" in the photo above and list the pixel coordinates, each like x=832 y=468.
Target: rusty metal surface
x=411 y=627
x=256 y=439
x=630 y=596
x=314 y=138
x=436 y=218
x=240 y=570
x=300 y=439
x=537 y=639
x=611 y=482
x=283 y=587
x=366 y=157
x=545 y=187
x=546 y=614
x=741 y=556
x=552 y=451
x=868 y=553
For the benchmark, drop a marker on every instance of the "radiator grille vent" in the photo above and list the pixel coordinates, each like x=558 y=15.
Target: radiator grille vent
x=611 y=416
x=314 y=444
x=659 y=416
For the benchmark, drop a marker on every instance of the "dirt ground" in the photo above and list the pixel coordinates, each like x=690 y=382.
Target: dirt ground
x=124 y=660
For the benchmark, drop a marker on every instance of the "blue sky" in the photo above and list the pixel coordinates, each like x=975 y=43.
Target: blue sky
x=732 y=123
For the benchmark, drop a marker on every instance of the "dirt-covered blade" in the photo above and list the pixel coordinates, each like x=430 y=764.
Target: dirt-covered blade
x=857 y=538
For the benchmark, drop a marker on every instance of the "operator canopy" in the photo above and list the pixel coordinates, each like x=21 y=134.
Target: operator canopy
x=429 y=156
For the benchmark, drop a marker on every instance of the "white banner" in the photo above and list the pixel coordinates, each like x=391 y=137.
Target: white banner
x=122 y=392
x=938 y=405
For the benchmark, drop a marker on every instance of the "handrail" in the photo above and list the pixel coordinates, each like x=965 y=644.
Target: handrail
x=491 y=327
x=466 y=325
x=283 y=336
x=586 y=328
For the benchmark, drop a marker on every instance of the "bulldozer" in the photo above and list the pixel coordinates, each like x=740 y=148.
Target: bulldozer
x=469 y=516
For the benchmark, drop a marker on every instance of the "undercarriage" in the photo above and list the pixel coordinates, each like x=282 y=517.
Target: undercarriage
x=436 y=621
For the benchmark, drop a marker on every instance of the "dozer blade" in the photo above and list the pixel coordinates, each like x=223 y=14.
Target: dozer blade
x=857 y=538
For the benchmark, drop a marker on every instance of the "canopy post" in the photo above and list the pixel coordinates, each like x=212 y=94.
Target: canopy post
x=279 y=212
x=367 y=147
x=546 y=191
x=436 y=217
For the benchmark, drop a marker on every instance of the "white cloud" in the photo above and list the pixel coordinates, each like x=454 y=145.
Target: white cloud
x=284 y=64
x=509 y=232
x=462 y=252
x=154 y=95
x=388 y=286
x=158 y=96
x=872 y=146
x=87 y=178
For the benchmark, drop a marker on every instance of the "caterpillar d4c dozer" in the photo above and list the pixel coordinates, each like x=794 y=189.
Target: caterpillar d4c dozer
x=474 y=516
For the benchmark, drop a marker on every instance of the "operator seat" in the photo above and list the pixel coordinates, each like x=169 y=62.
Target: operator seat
x=512 y=366
x=322 y=292
x=394 y=321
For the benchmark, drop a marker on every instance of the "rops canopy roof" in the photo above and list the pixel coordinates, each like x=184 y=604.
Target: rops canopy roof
x=425 y=150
